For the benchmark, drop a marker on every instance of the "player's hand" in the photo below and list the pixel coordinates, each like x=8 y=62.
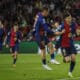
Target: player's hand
x=63 y=31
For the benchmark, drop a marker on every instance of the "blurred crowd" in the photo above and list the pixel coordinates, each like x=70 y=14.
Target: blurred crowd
x=24 y=11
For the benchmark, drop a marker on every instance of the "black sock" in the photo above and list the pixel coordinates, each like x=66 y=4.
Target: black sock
x=52 y=56
x=14 y=61
x=44 y=61
x=72 y=65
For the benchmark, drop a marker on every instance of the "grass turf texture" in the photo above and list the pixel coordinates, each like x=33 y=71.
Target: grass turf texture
x=29 y=67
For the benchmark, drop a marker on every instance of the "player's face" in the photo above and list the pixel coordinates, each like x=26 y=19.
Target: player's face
x=46 y=13
x=68 y=19
x=15 y=28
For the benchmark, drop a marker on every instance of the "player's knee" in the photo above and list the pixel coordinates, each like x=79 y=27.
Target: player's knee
x=51 y=47
x=43 y=54
x=15 y=56
x=66 y=60
x=73 y=57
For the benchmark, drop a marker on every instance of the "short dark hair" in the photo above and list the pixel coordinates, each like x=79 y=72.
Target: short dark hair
x=45 y=8
x=14 y=24
x=66 y=14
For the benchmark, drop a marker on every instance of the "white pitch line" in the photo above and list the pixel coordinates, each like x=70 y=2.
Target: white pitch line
x=76 y=78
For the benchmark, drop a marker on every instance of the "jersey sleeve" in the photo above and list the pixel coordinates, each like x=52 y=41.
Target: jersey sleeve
x=62 y=26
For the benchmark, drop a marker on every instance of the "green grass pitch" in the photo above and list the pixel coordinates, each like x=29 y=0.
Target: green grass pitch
x=29 y=67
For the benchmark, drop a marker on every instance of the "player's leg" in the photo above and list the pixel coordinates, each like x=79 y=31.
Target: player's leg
x=72 y=64
x=41 y=43
x=57 y=46
x=66 y=54
x=15 y=59
x=67 y=57
x=43 y=55
x=14 y=55
x=73 y=60
x=52 y=50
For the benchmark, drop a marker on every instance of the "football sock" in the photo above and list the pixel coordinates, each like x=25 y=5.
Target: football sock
x=44 y=61
x=14 y=60
x=72 y=65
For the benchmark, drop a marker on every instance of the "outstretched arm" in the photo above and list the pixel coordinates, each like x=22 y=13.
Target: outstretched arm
x=59 y=33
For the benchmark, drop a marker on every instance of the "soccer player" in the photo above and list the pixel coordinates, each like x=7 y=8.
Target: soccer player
x=14 y=42
x=41 y=30
x=67 y=44
x=1 y=35
x=56 y=26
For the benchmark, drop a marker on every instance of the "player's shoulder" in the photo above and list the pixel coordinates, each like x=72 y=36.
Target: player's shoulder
x=39 y=15
x=40 y=18
x=73 y=24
